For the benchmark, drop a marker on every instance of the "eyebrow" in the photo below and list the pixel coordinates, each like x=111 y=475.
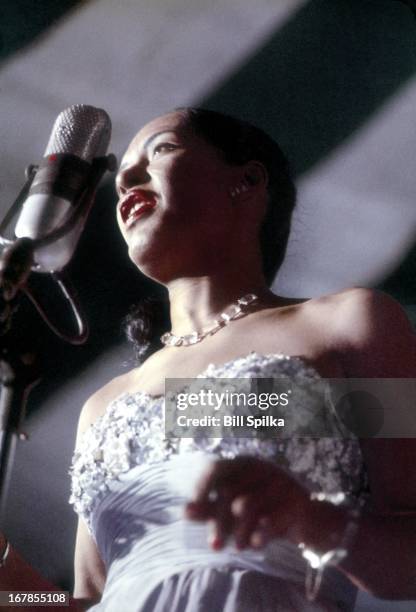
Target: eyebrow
x=149 y=140
x=155 y=135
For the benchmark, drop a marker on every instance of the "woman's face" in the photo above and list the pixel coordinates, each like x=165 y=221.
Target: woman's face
x=175 y=210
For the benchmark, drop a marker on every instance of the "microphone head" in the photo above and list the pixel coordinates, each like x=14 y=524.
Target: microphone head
x=80 y=130
x=80 y=134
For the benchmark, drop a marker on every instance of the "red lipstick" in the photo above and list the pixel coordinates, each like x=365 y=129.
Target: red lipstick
x=134 y=204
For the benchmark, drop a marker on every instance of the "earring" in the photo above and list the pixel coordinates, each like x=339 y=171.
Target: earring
x=235 y=191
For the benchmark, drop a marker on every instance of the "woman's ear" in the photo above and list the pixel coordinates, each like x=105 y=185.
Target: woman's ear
x=252 y=178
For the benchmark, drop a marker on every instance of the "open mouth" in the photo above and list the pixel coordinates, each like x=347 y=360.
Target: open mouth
x=135 y=204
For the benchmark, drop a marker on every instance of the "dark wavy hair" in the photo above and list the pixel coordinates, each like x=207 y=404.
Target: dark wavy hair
x=238 y=142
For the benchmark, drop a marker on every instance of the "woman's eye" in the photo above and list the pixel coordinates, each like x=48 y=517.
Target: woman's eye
x=162 y=147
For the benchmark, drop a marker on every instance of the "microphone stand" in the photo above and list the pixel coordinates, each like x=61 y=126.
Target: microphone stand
x=18 y=370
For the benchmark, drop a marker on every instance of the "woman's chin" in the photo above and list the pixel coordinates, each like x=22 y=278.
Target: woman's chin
x=150 y=260
x=163 y=267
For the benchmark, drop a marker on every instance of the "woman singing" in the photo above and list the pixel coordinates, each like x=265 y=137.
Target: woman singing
x=205 y=203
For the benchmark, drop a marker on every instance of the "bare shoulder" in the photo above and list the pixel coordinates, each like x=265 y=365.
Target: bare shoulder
x=361 y=316
x=353 y=297
x=96 y=405
x=371 y=333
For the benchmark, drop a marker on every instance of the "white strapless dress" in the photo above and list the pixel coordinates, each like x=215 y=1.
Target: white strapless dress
x=130 y=485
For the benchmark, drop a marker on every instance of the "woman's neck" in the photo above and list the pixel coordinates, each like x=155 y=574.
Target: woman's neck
x=196 y=302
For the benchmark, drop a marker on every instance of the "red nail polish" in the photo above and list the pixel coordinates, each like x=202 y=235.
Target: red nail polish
x=215 y=542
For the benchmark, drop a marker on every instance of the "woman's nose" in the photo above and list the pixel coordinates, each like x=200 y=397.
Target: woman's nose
x=132 y=176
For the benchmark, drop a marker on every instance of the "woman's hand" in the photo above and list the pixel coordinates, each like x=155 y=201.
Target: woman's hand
x=252 y=500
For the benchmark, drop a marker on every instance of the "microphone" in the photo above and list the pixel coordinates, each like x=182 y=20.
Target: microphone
x=80 y=135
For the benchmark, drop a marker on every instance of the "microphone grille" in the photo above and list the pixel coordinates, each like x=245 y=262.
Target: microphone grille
x=80 y=130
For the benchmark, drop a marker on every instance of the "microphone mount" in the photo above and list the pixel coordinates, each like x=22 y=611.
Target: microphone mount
x=18 y=367
x=19 y=256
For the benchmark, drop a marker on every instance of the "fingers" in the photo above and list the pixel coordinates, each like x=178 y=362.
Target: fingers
x=221 y=526
x=250 y=522
x=214 y=490
x=263 y=533
x=212 y=503
x=217 y=480
x=219 y=516
x=242 y=518
x=228 y=478
x=200 y=511
x=241 y=498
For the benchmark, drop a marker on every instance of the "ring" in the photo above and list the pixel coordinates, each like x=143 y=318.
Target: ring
x=213 y=496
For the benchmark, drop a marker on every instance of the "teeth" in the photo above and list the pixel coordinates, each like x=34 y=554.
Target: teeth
x=135 y=208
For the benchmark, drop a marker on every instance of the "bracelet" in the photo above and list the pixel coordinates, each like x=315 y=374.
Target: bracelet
x=316 y=567
x=317 y=562
x=5 y=554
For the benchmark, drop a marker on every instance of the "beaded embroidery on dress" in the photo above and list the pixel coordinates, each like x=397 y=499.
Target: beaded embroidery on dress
x=124 y=457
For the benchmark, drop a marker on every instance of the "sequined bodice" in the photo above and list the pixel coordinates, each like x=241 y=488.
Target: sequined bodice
x=131 y=433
